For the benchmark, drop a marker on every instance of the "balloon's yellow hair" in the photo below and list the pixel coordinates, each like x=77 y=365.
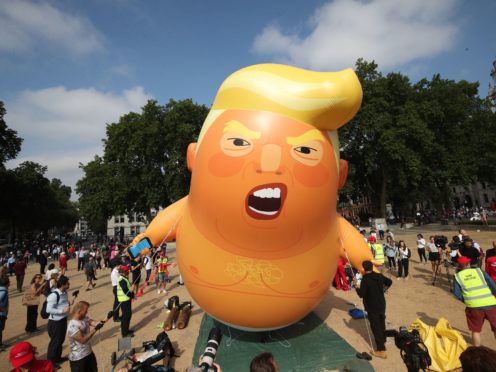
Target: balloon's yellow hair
x=325 y=100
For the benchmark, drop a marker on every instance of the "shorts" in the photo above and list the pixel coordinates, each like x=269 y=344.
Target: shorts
x=434 y=256
x=162 y=277
x=87 y=364
x=89 y=277
x=475 y=318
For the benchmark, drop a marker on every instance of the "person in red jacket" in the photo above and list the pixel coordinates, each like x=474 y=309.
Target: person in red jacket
x=63 y=263
x=341 y=276
x=491 y=262
x=23 y=360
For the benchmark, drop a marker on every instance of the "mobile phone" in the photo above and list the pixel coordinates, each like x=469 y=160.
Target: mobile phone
x=142 y=245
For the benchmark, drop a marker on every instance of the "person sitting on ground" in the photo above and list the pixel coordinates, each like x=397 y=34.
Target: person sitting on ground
x=81 y=356
x=23 y=360
x=264 y=362
x=478 y=359
x=477 y=290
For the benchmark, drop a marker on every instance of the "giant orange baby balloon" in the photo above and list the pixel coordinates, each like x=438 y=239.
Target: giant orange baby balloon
x=258 y=236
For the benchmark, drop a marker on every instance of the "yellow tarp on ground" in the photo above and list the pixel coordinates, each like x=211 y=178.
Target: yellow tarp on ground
x=444 y=343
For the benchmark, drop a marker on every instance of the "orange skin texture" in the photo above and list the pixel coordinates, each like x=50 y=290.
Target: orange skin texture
x=250 y=271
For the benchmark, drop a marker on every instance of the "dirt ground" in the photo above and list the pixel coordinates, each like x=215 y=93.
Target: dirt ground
x=406 y=301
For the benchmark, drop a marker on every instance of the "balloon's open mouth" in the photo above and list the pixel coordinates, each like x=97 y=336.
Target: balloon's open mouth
x=265 y=202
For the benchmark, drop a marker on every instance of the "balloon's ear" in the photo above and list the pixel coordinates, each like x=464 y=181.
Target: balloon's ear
x=343 y=172
x=190 y=155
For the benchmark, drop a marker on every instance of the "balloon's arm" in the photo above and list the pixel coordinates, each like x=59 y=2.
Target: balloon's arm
x=353 y=247
x=163 y=227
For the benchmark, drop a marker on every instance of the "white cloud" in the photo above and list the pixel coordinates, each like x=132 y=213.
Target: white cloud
x=391 y=32
x=25 y=24
x=54 y=120
x=64 y=166
x=71 y=114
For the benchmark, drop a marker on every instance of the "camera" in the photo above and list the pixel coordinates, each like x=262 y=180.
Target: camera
x=412 y=349
x=207 y=361
x=441 y=241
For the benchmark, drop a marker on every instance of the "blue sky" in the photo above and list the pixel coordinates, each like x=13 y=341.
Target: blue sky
x=68 y=67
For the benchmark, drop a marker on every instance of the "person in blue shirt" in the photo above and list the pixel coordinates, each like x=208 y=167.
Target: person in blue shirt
x=4 y=305
x=477 y=290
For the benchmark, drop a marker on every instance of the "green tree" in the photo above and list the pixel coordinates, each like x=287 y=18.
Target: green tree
x=10 y=143
x=144 y=161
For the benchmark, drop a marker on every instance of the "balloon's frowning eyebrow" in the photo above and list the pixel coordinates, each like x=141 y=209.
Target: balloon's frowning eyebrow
x=313 y=134
x=236 y=126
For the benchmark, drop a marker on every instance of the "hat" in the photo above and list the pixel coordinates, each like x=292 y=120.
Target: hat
x=371 y=239
x=124 y=269
x=54 y=271
x=21 y=354
x=62 y=254
x=464 y=260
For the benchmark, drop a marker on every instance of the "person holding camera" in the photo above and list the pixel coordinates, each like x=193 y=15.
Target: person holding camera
x=468 y=250
x=371 y=290
x=477 y=290
x=81 y=356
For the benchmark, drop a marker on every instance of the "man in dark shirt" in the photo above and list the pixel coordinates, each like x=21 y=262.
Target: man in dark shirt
x=468 y=250
x=491 y=252
x=372 y=290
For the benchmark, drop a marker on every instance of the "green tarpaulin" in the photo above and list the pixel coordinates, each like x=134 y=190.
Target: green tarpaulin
x=307 y=346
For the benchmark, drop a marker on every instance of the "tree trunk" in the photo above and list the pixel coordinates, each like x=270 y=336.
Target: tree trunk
x=382 y=206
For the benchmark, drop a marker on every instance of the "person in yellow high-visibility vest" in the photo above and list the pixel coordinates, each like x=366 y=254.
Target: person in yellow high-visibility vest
x=124 y=297
x=377 y=251
x=477 y=290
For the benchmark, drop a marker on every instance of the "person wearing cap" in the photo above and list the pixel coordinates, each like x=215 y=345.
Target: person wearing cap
x=477 y=290
x=372 y=289
x=163 y=274
x=23 y=360
x=376 y=249
x=124 y=296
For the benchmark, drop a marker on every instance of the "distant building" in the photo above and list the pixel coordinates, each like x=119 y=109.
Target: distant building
x=124 y=227
x=478 y=194
x=81 y=229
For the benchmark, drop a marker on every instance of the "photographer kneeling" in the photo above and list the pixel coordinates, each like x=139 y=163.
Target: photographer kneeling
x=372 y=290
x=81 y=356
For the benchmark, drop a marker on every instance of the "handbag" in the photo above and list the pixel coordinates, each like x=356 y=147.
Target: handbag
x=30 y=299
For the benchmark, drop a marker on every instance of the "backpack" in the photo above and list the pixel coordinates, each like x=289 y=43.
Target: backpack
x=43 y=312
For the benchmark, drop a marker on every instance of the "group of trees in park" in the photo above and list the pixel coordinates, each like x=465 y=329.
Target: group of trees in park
x=144 y=162
x=30 y=202
x=412 y=142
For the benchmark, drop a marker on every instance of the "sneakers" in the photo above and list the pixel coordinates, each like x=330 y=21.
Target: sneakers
x=165 y=292
x=398 y=278
x=159 y=291
x=379 y=354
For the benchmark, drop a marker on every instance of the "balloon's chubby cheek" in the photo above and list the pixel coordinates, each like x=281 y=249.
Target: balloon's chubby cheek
x=221 y=165
x=315 y=176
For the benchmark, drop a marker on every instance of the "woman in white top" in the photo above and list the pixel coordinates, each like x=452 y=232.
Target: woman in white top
x=391 y=252
x=421 y=248
x=403 y=259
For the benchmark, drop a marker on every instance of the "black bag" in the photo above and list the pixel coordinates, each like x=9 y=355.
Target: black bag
x=43 y=312
x=409 y=254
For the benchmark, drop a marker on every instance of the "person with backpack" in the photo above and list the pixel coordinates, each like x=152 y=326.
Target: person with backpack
x=4 y=306
x=58 y=307
x=404 y=255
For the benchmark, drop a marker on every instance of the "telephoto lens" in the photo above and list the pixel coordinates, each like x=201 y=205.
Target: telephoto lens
x=207 y=361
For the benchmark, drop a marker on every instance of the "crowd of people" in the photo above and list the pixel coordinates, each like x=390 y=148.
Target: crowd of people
x=68 y=318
